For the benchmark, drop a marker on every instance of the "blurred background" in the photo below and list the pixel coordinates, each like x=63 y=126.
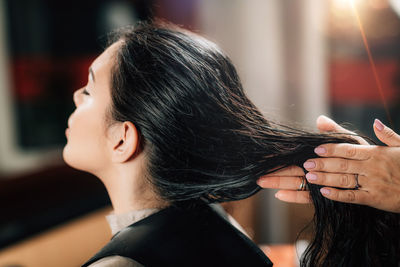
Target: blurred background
x=297 y=59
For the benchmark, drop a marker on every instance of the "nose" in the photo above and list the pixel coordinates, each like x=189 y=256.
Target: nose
x=76 y=97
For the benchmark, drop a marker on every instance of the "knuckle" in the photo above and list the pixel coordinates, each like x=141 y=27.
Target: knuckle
x=350 y=196
x=335 y=195
x=292 y=169
x=330 y=149
x=297 y=171
x=390 y=133
x=344 y=180
x=365 y=154
x=344 y=165
x=319 y=164
x=351 y=152
x=274 y=183
x=321 y=177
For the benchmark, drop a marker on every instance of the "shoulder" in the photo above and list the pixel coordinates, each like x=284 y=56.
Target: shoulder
x=116 y=261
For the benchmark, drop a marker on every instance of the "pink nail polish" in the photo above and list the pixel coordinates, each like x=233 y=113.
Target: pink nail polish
x=325 y=191
x=309 y=164
x=320 y=150
x=378 y=125
x=311 y=176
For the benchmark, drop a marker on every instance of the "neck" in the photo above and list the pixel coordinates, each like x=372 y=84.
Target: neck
x=128 y=189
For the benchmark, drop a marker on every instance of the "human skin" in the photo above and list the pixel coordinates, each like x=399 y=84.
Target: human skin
x=377 y=167
x=107 y=150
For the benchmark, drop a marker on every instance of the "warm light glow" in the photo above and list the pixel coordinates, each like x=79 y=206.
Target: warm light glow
x=342 y=9
x=343 y=4
x=342 y=12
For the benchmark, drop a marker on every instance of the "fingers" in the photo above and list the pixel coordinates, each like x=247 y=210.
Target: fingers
x=349 y=151
x=341 y=180
x=348 y=196
x=385 y=134
x=289 y=179
x=280 y=182
x=302 y=197
x=325 y=124
x=334 y=165
x=288 y=171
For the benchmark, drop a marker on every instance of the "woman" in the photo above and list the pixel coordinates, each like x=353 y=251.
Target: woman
x=165 y=125
x=133 y=128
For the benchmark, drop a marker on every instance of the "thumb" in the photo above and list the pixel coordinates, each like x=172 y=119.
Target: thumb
x=385 y=134
x=325 y=124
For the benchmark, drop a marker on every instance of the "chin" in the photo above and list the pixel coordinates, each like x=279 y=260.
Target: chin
x=69 y=158
x=80 y=160
x=66 y=156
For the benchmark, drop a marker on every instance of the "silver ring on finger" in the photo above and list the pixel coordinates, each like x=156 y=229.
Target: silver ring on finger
x=303 y=185
x=358 y=186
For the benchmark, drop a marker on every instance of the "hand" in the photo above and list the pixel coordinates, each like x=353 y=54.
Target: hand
x=289 y=179
x=377 y=168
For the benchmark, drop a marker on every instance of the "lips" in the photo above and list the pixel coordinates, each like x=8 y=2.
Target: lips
x=70 y=120
x=69 y=126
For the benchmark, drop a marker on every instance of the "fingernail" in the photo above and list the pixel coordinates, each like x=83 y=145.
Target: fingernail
x=311 y=176
x=320 y=150
x=277 y=195
x=378 y=125
x=325 y=191
x=309 y=164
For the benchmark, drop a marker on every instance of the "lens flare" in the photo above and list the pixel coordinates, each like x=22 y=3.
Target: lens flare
x=343 y=5
x=371 y=62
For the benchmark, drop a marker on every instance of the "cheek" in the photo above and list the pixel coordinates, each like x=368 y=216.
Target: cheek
x=85 y=148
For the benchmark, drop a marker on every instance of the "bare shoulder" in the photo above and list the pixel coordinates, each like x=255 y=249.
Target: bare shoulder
x=116 y=261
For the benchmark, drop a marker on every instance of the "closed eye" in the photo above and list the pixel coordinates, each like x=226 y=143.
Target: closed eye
x=85 y=92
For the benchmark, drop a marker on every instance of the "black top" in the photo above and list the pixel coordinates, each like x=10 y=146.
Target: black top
x=179 y=236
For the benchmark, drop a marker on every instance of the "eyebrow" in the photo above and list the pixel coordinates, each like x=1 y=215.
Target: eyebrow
x=91 y=73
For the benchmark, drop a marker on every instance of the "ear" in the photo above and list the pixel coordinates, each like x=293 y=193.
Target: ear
x=124 y=138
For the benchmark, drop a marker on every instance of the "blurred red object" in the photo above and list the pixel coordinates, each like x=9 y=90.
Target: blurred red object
x=352 y=81
x=32 y=76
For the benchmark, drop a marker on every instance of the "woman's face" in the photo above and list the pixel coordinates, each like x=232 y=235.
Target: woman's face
x=86 y=147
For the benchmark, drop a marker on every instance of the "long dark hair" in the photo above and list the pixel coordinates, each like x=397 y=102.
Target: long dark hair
x=204 y=139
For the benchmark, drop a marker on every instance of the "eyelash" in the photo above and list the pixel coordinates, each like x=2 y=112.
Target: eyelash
x=85 y=92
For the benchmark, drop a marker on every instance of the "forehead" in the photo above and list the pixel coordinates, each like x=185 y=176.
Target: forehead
x=106 y=59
